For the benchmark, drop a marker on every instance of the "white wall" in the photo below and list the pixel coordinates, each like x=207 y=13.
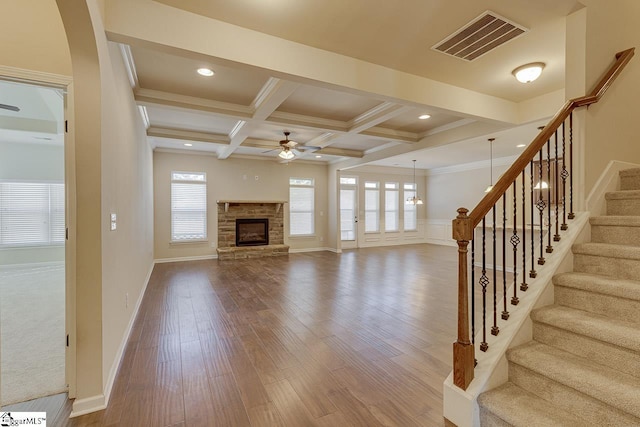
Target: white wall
x=233 y=179
x=31 y=162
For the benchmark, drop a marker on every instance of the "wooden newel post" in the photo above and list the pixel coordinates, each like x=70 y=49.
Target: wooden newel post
x=463 y=353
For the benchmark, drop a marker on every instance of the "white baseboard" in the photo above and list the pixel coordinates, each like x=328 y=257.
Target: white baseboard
x=441 y=242
x=123 y=343
x=88 y=405
x=303 y=250
x=186 y=258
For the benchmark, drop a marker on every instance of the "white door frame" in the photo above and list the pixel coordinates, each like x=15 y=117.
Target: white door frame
x=65 y=83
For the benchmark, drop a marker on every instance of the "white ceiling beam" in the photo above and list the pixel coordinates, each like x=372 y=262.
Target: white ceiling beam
x=150 y=97
x=378 y=114
x=271 y=96
x=173 y=133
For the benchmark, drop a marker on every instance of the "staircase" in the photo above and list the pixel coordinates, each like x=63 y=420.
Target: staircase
x=583 y=365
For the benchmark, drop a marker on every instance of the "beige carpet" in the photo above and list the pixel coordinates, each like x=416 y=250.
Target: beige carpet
x=583 y=366
x=32 y=332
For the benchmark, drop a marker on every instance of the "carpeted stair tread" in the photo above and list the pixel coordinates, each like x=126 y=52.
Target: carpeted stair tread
x=607 y=250
x=616 y=220
x=630 y=179
x=629 y=172
x=612 y=331
x=518 y=407
x=629 y=289
x=616 y=389
x=622 y=195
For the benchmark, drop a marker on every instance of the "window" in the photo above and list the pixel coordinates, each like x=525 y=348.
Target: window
x=410 y=211
x=371 y=207
x=188 y=206
x=301 y=206
x=391 y=206
x=31 y=214
x=348 y=181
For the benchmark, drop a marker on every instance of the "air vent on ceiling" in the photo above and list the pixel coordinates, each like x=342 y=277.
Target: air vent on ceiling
x=483 y=34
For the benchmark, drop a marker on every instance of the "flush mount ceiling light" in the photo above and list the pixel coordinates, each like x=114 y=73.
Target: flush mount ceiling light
x=424 y=117
x=529 y=72
x=207 y=72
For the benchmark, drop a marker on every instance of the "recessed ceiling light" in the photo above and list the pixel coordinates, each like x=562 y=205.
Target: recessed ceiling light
x=207 y=72
x=521 y=145
x=188 y=145
x=424 y=117
x=318 y=156
x=529 y=72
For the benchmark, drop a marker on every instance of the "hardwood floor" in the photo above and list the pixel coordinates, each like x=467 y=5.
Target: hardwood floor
x=315 y=339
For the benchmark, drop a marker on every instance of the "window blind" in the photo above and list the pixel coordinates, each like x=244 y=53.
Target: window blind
x=31 y=214
x=188 y=206
x=301 y=206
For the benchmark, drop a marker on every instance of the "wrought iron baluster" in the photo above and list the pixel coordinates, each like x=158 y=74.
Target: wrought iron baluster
x=564 y=174
x=523 y=285
x=515 y=240
x=549 y=247
x=484 y=281
x=505 y=314
x=494 y=329
x=533 y=272
x=540 y=204
x=556 y=187
x=571 y=214
x=473 y=287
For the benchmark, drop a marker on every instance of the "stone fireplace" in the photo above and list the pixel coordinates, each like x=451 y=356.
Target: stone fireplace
x=250 y=229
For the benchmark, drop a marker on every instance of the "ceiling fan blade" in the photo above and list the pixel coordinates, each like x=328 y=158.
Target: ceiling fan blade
x=268 y=151
x=308 y=148
x=296 y=152
x=9 y=107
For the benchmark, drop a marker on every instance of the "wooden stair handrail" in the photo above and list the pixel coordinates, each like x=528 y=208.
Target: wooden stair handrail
x=492 y=197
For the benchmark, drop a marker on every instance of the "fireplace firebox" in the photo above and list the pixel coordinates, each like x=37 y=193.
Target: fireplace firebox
x=252 y=231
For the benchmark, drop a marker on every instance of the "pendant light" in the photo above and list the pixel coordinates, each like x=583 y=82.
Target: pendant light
x=415 y=200
x=490 y=187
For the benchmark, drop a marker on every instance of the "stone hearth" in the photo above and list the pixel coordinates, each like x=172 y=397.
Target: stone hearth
x=230 y=210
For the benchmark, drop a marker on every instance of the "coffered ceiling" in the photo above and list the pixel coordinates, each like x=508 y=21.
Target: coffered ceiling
x=247 y=105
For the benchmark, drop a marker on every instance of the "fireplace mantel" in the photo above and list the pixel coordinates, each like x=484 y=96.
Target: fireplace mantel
x=226 y=203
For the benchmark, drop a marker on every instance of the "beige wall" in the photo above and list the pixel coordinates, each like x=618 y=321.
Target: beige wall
x=610 y=128
x=232 y=179
x=127 y=191
x=32 y=37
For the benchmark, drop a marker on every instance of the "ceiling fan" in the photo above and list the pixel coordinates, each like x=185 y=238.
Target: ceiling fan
x=9 y=107
x=291 y=149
